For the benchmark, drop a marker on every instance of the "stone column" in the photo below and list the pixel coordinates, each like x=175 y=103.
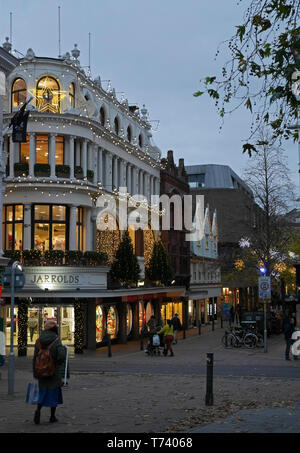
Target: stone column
x=84 y=157
x=151 y=185
x=27 y=227
x=141 y=182
x=78 y=161
x=148 y=189
x=94 y=166
x=122 y=173
x=129 y=181
x=100 y=166
x=11 y=158
x=31 y=153
x=122 y=323
x=135 y=180
x=71 y=156
x=108 y=172
x=115 y=173
x=72 y=228
x=52 y=144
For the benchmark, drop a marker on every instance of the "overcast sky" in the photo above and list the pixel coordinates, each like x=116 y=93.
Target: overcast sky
x=155 y=52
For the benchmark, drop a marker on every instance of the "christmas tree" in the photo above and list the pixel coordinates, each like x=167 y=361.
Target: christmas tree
x=159 y=268
x=125 y=267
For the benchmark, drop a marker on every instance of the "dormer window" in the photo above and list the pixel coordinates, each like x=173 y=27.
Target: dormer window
x=116 y=126
x=129 y=135
x=102 y=116
x=72 y=95
x=48 y=95
x=140 y=141
x=18 y=93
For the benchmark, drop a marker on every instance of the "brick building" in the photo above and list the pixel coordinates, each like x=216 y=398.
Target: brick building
x=238 y=214
x=173 y=181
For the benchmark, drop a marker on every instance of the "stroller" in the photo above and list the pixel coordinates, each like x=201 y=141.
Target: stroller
x=153 y=346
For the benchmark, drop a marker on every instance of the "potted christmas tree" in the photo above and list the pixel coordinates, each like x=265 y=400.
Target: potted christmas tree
x=125 y=268
x=159 y=270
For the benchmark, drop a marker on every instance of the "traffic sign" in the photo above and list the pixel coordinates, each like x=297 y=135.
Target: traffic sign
x=264 y=287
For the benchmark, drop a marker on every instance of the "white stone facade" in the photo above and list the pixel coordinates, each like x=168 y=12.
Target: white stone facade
x=106 y=138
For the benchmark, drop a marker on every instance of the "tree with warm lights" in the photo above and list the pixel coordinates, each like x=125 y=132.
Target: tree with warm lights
x=125 y=267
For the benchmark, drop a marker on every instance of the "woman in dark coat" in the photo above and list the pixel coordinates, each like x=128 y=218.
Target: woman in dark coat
x=50 y=394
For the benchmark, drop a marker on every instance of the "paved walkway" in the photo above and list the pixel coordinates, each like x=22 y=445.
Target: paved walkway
x=132 y=393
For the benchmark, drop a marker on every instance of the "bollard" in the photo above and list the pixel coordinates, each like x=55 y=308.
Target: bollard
x=199 y=328
x=109 y=345
x=209 y=398
x=226 y=344
x=184 y=333
x=221 y=322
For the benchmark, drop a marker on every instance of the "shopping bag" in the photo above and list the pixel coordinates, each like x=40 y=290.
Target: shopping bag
x=32 y=395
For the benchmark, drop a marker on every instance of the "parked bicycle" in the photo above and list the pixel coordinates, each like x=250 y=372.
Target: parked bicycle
x=238 y=336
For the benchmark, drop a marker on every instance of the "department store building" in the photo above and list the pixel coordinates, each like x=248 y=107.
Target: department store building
x=81 y=142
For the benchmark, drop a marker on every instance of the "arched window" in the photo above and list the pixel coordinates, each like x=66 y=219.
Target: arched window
x=72 y=94
x=18 y=93
x=48 y=95
x=140 y=141
x=116 y=126
x=102 y=116
x=129 y=135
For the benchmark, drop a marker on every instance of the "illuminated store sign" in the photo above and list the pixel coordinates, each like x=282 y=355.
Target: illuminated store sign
x=65 y=278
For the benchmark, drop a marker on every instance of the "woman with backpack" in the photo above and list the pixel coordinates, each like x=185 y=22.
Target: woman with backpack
x=49 y=363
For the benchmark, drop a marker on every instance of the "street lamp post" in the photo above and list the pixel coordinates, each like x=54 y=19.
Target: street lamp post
x=11 y=281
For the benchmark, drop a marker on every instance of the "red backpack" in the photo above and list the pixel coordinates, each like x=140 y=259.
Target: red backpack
x=44 y=366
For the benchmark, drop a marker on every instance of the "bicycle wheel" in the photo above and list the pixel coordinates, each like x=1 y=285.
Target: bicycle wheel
x=229 y=341
x=250 y=340
x=260 y=340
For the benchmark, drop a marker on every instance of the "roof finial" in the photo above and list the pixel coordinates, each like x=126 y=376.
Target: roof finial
x=7 y=45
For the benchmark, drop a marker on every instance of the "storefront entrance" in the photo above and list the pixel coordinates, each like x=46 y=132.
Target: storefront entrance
x=37 y=315
x=169 y=309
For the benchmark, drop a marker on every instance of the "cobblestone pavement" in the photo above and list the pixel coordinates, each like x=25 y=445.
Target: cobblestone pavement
x=133 y=393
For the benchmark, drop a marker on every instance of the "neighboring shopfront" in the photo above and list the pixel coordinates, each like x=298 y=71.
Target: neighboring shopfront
x=169 y=309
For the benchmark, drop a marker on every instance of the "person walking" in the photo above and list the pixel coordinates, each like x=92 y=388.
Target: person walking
x=32 y=324
x=288 y=330
x=168 y=333
x=50 y=394
x=176 y=326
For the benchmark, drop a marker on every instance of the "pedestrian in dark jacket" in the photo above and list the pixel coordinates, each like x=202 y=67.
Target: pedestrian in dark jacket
x=175 y=321
x=50 y=394
x=288 y=330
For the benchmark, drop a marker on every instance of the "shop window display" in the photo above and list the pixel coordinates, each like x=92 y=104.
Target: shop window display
x=100 y=323
x=112 y=322
x=51 y=233
x=149 y=311
x=142 y=318
x=128 y=318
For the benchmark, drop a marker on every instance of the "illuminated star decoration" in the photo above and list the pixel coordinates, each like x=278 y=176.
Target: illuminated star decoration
x=48 y=95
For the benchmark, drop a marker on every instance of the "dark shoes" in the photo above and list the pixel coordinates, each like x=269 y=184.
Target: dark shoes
x=172 y=354
x=53 y=419
x=37 y=417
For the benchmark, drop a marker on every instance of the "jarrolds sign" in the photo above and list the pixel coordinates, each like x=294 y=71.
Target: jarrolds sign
x=65 y=278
